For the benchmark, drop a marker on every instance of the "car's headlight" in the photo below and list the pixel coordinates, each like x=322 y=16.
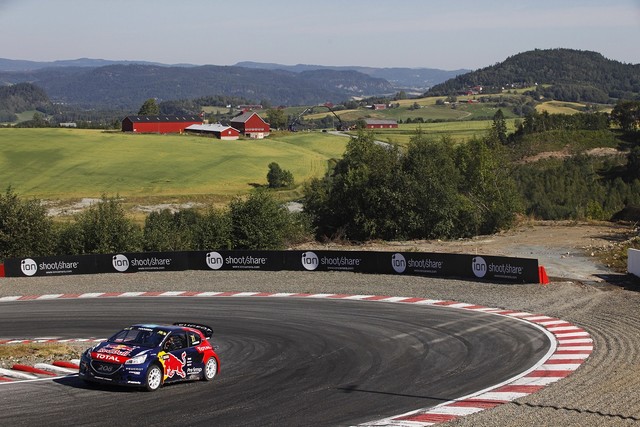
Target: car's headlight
x=136 y=360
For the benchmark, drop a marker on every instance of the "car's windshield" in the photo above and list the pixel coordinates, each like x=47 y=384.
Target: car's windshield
x=139 y=336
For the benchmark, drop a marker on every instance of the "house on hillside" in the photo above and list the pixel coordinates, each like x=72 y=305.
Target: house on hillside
x=159 y=124
x=381 y=124
x=250 y=124
x=225 y=133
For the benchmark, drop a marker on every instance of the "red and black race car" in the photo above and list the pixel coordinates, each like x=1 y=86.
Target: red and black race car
x=150 y=355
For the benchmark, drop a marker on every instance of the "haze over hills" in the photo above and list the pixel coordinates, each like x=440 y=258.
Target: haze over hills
x=399 y=77
x=91 y=82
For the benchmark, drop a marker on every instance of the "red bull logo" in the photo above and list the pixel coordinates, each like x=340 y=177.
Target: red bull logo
x=174 y=366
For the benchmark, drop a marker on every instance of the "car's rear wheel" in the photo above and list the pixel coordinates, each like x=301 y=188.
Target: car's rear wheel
x=210 y=369
x=154 y=378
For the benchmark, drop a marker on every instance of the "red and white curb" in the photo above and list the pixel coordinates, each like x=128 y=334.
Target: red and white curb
x=40 y=371
x=570 y=347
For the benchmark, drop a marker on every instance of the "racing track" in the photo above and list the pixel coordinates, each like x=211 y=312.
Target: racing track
x=285 y=361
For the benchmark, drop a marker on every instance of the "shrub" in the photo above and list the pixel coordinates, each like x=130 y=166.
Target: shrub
x=278 y=177
x=213 y=230
x=25 y=229
x=103 y=228
x=258 y=222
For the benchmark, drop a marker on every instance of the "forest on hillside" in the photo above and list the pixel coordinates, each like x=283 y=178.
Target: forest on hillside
x=561 y=74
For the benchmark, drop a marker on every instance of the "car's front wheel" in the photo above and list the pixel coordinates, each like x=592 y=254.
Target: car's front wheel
x=154 y=378
x=210 y=369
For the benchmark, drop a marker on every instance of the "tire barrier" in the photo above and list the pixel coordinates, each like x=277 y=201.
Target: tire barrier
x=463 y=266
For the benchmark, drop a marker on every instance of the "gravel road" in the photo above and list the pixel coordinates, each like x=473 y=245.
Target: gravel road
x=605 y=391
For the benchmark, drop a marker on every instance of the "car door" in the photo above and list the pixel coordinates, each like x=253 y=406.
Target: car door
x=176 y=357
x=197 y=357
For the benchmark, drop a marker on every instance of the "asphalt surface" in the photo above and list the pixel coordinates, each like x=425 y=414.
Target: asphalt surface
x=284 y=362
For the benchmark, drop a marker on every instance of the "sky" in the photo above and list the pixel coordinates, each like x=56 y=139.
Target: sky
x=445 y=34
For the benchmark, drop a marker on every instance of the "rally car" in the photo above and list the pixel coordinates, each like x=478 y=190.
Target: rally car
x=151 y=355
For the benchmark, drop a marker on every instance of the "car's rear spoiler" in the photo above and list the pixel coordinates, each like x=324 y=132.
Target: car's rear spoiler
x=206 y=330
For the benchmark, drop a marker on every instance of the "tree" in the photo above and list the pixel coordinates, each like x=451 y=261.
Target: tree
x=103 y=228
x=149 y=108
x=277 y=177
x=167 y=231
x=626 y=114
x=433 y=189
x=25 y=229
x=633 y=163
x=499 y=127
x=400 y=95
x=362 y=197
x=213 y=230
x=276 y=118
x=258 y=222
x=487 y=185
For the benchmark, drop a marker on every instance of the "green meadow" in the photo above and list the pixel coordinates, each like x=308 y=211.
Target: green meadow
x=458 y=131
x=74 y=163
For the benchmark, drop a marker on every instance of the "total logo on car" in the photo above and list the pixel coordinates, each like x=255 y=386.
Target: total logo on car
x=149 y=356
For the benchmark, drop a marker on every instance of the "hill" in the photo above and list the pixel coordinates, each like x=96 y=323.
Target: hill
x=128 y=86
x=562 y=74
x=399 y=77
x=18 y=98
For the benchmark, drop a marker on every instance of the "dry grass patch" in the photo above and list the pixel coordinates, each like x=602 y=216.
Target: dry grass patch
x=31 y=353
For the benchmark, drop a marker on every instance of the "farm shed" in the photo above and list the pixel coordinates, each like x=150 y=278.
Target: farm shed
x=381 y=124
x=158 y=124
x=251 y=124
x=223 y=132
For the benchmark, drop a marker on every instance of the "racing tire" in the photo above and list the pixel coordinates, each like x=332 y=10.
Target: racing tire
x=210 y=369
x=153 y=380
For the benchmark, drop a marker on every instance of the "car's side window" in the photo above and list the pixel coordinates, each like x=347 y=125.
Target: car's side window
x=175 y=341
x=194 y=339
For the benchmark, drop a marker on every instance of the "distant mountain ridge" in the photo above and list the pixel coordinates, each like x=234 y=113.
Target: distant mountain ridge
x=399 y=77
x=128 y=86
x=25 y=65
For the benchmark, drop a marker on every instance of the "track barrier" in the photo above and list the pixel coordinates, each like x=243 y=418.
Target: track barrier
x=633 y=262
x=465 y=266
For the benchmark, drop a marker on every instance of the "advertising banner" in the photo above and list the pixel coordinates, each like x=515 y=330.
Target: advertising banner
x=50 y=266
x=143 y=261
x=496 y=268
x=416 y=263
x=236 y=260
x=354 y=261
x=463 y=266
x=459 y=265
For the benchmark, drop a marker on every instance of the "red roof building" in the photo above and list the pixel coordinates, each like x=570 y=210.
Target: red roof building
x=225 y=133
x=381 y=124
x=251 y=125
x=158 y=124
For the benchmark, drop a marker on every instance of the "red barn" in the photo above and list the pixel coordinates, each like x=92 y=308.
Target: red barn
x=158 y=124
x=250 y=124
x=226 y=133
x=381 y=124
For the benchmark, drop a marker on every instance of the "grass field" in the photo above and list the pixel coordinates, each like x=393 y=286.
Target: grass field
x=458 y=131
x=560 y=107
x=73 y=163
